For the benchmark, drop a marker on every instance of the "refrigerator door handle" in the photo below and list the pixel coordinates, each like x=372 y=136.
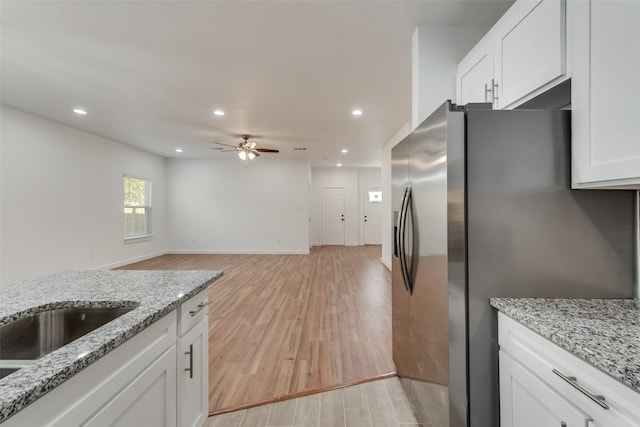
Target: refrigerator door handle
x=410 y=228
x=400 y=237
x=406 y=273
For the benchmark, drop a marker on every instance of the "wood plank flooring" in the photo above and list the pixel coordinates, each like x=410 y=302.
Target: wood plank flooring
x=291 y=325
x=375 y=404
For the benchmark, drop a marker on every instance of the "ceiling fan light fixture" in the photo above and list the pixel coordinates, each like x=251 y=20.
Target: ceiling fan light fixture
x=242 y=154
x=251 y=155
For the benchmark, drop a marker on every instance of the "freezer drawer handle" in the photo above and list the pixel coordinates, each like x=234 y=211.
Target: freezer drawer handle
x=573 y=382
x=198 y=309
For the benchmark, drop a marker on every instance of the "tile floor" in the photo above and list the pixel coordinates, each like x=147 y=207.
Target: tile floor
x=380 y=403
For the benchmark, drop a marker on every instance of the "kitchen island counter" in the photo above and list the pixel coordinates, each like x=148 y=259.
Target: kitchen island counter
x=603 y=332
x=153 y=293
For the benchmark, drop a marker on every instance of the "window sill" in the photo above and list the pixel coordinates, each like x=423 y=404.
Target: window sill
x=140 y=238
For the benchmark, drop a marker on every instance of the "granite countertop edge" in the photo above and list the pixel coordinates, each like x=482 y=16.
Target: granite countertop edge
x=605 y=333
x=25 y=386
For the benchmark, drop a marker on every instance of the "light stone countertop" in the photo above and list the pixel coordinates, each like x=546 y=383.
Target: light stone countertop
x=155 y=293
x=603 y=332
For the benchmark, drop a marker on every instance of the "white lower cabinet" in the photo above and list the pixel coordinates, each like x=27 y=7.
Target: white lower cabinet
x=146 y=401
x=542 y=384
x=193 y=363
x=526 y=401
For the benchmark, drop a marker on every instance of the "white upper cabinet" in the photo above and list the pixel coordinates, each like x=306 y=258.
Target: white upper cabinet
x=523 y=55
x=475 y=73
x=605 y=93
x=532 y=52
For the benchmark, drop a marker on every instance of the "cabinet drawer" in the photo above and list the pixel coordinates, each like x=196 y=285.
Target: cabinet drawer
x=192 y=311
x=547 y=360
x=526 y=401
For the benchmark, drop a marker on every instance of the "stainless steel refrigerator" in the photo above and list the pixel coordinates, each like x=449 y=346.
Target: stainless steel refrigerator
x=482 y=208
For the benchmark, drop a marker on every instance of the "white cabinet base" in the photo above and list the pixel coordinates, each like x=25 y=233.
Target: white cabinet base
x=193 y=377
x=526 y=401
x=529 y=360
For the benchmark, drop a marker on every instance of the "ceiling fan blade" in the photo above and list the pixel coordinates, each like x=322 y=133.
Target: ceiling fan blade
x=222 y=143
x=267 y=150
x=222 y=150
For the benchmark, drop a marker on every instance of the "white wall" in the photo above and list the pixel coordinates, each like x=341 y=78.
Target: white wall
x=62 y=198
x=435 y=54
x=227 y=206
x=387 y=220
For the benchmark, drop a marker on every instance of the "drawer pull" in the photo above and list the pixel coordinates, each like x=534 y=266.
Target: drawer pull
x=574 y=383
x=198 y=309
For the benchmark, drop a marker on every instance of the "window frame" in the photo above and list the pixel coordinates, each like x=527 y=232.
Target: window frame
x=148 y=188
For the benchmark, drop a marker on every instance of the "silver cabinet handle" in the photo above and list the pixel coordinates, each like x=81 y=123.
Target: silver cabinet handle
x=488 y=91
x=573 y=382
x=198 y=309
x=190 y=368
x=494 y=90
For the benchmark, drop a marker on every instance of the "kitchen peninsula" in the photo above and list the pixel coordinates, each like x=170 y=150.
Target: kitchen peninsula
x=168 y=305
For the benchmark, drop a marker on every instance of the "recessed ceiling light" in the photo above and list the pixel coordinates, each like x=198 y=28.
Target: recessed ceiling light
x=178 y=150
x=80 y=111
x=345 y=151
x=357 y=112
x=218 y=113
x=339 y=164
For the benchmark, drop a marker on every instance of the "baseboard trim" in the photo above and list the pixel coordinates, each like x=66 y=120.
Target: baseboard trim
x=121 y=263
x=385 y=263
x=239 y=252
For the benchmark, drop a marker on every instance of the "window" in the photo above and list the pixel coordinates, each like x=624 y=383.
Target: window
x=375 y=196
x=137 y=208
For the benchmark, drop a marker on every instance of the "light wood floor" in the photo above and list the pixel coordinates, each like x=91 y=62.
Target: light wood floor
x=375 y=404
x=290 y=325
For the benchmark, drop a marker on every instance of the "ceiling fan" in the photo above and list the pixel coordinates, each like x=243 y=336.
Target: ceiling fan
x=247 y=150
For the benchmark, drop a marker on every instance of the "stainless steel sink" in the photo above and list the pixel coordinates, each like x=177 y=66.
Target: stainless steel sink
x=6 y=371
x=39 y=334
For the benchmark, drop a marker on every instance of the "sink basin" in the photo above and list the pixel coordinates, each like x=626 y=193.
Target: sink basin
x=6 y=371
x=39 y=334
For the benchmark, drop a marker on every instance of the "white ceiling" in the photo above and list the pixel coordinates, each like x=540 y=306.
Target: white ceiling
x=150 y=73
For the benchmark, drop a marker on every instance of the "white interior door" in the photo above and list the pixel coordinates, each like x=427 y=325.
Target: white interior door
x=332 y=206
x=372 y=216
